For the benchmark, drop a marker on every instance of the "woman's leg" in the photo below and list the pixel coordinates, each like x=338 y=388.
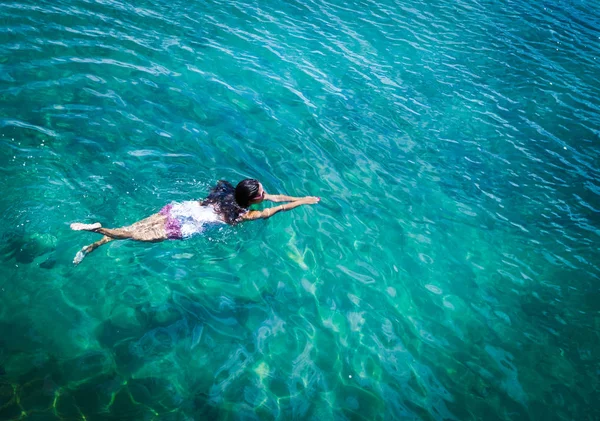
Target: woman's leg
x=90 y=248
x=149 y=229
x=152 y=229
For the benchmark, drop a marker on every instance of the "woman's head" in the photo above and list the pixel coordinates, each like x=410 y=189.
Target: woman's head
x=249 y=192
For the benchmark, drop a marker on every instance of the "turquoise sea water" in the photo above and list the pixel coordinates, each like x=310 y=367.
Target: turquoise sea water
x=451 y=271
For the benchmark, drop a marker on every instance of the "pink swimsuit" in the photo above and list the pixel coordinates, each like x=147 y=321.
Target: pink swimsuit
x=185 y=219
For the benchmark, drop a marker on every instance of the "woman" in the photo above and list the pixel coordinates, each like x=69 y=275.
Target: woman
x=224 y=204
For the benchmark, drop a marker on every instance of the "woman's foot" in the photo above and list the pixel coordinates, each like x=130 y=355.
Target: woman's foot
x=80 y=255
x=76 y=226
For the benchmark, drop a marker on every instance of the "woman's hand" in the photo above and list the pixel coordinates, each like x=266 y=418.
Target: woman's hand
x=310 y=200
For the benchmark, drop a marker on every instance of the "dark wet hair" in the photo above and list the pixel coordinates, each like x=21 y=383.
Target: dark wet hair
x=231 y=202
x=245 y=191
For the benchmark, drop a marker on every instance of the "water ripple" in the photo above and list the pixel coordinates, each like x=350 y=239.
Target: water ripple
x=448 y=273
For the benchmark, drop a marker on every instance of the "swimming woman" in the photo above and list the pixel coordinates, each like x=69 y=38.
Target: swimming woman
x=224 y=204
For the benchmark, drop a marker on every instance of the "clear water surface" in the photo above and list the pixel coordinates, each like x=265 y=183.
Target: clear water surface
x=451 y=271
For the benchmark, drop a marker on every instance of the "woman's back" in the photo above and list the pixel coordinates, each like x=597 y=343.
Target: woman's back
x=185 y=219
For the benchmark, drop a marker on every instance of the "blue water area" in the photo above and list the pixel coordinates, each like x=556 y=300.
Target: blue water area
x=450 y=272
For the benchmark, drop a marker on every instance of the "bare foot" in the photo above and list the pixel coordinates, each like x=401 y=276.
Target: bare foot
x=80 y=255
x=76 y=226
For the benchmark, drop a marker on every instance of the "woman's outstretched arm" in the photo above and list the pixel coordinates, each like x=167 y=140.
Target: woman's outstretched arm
x=281 y=198
x=267 y=213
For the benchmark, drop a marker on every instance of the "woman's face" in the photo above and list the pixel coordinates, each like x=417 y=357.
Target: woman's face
x=260 y=195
